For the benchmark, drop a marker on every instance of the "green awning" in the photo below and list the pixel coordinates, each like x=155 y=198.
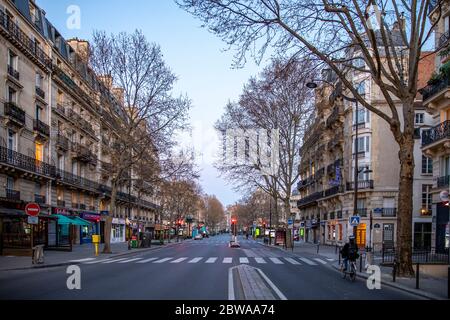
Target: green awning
x=79 y=222
x=63 y=220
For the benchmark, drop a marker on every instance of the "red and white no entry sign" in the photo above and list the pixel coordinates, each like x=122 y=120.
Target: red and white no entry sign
x=32 y=209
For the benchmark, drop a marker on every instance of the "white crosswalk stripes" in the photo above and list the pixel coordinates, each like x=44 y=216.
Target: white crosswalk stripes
x=276 y=260
x=290 y=260
x=307 y=261
x=243 y=260
x=147 y=260
x=227 y=260
x=162 y=260
x=280 y=260
x=260 y=260
x=320 y=261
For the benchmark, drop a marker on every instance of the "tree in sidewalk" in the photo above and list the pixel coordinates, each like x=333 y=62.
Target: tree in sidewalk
x=214 y=212
x=142 y=114
x=278 y=100
x=389 y=36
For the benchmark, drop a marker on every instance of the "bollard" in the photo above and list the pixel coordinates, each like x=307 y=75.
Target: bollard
x=360 y=263
x=417 y=276
x=394 y=271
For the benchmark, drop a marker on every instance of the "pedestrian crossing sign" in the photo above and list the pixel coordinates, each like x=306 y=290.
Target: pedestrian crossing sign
x=355 y=220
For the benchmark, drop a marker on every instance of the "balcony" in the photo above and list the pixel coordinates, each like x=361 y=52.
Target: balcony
x=362 y=185
x=40 y=93
x=433 y=92
x=333 y=191
x=23 y=42
x=39 y=199
x=26 y=163
x=443 y=182
x=12 y=195
x=389 y=212
x=440 y=133
x=310 y=199
x=41 y=128
x=15 y=113
x=13 y=73
x=83 y=153
x=75 y=180
x=362 y=212
x=62 y=142
x=59 y=109
x=60 y=203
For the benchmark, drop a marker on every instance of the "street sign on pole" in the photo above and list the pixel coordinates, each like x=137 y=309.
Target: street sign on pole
x=32 y=209
x=33 y=220
x=355 y=220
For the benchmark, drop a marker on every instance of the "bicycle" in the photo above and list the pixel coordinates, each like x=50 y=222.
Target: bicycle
x=352 y=272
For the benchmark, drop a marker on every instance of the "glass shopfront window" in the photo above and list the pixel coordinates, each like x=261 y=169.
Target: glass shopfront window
x=87 y=232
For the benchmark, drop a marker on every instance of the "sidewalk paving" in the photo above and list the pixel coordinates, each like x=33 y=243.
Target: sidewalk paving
x=430 y=287
x=79 y=252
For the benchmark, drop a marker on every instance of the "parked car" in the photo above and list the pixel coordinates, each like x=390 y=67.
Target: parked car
x=198 y=237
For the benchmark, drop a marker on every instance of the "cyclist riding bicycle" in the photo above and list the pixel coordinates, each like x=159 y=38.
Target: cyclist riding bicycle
x=349 y=252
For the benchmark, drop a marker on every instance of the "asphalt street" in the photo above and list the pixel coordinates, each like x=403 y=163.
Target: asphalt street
x=192 y=270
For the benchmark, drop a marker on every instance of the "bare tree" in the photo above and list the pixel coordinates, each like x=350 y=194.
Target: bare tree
x=389 y=35
x=277 y=100
x=142 y=115
x=214 y=212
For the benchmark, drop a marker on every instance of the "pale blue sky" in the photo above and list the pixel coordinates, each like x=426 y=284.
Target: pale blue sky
x=195 y=56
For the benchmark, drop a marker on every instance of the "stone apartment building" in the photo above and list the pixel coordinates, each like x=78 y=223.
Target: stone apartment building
x=327 y=168
x=435 y=141
x=53 y=124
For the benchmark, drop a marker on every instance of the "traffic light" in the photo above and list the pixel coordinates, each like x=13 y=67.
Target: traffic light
x=233 y=220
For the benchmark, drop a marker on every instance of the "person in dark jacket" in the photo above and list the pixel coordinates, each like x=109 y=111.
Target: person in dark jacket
x=349 y=252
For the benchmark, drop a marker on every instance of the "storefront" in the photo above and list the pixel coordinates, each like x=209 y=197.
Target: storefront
x=86 y=232
x=118 y=230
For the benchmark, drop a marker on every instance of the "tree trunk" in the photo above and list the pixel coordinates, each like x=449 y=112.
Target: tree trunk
x=405 y=208
x=108 y=222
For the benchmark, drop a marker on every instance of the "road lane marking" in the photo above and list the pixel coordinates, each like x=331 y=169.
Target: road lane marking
x=178 y=260
x=260 y=260
x=227 y=260
x=311 y=263
x=98 y=261
x=195 y=260
x=276 y=260
x=272 y=285
x=83 y=260
x=331 y=260
x=243 y=260
x=230 y=284
x=292 y=261
x=116 y=260
x=163 y=260
x=211 y=260
x=130 y=260
x=147 y=260
x=320 y=261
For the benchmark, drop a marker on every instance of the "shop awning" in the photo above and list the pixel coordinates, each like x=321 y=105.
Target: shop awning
x=79 y=222
x=63 y=220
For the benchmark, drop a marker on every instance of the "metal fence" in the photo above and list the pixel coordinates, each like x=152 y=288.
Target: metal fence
x=388 y=255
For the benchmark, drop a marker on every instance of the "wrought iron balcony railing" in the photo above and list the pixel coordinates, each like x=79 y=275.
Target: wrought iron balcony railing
x=12 y=194
x=309 y=199
x=362 y=184
x=40 y=92
x=15 y=112
x=333 y=191
x=62 y=142
x=433 y=89
x=439 y=132
x=362 y=212
x=26 y=163
x=41 y=127
x=75 y=180
x=13 y=72
x=389 y=212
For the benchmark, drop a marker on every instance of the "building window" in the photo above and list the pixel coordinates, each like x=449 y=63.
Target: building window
x=427 y=165
x=39 y=152
x=12 y=60
x=74 y=198
x=10 y=183
x=419 y=118
x=38 y=112
x=422 y=236
x=39 y=80
x=363 y=144
x=12 y=140
x=12 y=95
x=426 y=199
x=37 y=188
x=74 y=168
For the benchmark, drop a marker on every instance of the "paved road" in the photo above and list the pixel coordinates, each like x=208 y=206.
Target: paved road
x=193 y=270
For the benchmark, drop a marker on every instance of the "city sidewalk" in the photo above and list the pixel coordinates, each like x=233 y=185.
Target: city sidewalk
x=430 y=287
x=79 y=252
